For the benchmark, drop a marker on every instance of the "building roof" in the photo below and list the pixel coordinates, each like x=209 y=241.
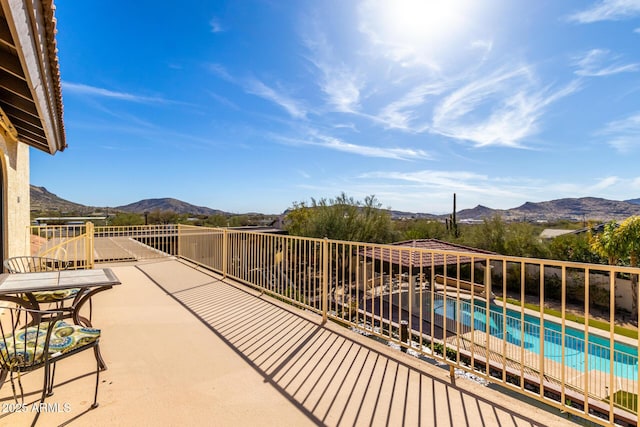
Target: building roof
x=30 y=85
x=550 y=233
x=431 y=253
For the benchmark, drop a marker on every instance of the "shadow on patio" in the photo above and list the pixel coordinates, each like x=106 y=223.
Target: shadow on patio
x=225 y=355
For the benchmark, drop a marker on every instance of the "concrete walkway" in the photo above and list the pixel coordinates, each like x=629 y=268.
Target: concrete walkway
x=185 y=348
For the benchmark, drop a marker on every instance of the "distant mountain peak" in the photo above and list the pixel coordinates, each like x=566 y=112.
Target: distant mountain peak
x=43 y=200
x=168 y=204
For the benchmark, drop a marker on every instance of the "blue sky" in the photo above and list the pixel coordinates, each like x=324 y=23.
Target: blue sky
x=251 y=106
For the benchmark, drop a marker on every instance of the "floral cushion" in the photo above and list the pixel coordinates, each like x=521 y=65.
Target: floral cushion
x=27 y=346
x=54 y=296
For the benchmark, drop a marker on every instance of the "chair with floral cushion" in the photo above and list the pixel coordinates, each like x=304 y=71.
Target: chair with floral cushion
x=34 y=339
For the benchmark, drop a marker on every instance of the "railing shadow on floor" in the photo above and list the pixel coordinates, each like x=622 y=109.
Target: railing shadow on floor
x=328 y=375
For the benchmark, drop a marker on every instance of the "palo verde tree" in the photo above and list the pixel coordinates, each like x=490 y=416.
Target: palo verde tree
x=629 y=235
x=621 y=243
x=608 y=243
x=342 y=218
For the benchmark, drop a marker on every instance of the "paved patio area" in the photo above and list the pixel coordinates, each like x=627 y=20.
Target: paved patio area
x=185 y=348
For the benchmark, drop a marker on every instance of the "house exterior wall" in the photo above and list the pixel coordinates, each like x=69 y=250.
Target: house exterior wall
x=16 y=209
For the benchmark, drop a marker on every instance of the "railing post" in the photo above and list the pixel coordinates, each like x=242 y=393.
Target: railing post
x=225 y=241
x=325 y=279
x=89 y=242
x=178 y=241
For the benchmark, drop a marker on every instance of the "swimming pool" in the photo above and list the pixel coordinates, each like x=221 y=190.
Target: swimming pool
x=524 y=331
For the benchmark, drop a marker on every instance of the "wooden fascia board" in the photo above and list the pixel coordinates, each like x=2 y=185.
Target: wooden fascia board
x=30 y=42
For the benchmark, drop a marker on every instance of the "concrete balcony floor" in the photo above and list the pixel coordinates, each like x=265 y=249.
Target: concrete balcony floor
x=184 y=347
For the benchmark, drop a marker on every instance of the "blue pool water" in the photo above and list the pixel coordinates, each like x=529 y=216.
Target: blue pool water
x=524 y=331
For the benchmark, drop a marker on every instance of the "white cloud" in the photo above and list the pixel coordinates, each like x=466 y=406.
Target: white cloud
x=221 y=72
x=339 y=83
x=452 y=181
x=304 y=174
x=293 y=107
x=501 y=109
x=637 y=30
x=342 y=88
x=255 y=87
x=222 y=100
x=485 y=45
x=623 y=135
x=592 y=64
x=608 y=10
x=216 y=26
x=332 y=143
x=87 y=90
x=350 y=126
x=401 y=113
x=604 y=183
x=431 y=190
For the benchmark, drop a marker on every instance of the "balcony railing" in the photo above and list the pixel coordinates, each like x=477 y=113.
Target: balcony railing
x=563 y=333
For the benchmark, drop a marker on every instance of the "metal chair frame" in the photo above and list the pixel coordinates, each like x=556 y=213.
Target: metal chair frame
x=16 y=320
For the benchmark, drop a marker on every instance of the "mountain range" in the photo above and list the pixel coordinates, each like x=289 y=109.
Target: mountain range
x=578 y=209
x=574 y=209
x=44 y=201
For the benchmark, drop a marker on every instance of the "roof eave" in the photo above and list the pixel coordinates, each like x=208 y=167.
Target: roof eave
x=33 y=28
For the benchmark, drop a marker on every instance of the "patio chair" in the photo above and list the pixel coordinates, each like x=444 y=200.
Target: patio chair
x=34 y=339
x=30 y=264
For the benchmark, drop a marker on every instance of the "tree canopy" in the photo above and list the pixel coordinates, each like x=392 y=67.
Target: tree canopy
x=342 y=218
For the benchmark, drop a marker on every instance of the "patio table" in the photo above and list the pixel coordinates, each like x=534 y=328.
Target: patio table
x=90 y=282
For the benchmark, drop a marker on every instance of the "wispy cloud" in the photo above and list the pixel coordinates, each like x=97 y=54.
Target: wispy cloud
x=216 y=26
x=222 y=100
x=332 y=143
x=339 y=83
x=431 y=177
x=350 y=126
x=256 y=87
x=87 y=90
x=604 y=183
x=594 y=64
x=292 y=106
x=623 y=135
x=637 y=30
x=304 y=174
x=501 y=109
x=401 y=113
x=608 y=10
x=221 y=72
x=461 y=181
x=434 y=188
x=342 y=89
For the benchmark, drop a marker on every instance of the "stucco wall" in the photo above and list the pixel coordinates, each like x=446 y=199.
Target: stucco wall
x=15 y=170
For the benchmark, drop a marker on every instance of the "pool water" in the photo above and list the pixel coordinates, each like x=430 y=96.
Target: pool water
x=524 y=331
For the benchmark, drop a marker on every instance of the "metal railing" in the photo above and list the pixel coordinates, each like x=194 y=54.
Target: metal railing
x=84 y=245
x=69 y=243
x=563 y=333
x=554 y=329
